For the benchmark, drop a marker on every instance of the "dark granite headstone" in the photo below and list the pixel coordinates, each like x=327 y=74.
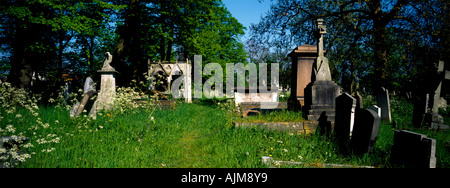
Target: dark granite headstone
x=365 y=131
x=344 y=118
x=413 y=150
x=384 y=104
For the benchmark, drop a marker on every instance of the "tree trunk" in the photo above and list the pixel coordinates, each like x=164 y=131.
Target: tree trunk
x=380 y=55
x=127 y=56
x=169 y=50
x=380 y=52
x=21 y=71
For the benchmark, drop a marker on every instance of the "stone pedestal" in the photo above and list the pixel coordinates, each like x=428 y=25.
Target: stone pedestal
x=105 y=98
x=320 y=96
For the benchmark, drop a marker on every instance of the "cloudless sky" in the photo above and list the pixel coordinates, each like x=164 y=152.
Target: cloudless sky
x=247 y=12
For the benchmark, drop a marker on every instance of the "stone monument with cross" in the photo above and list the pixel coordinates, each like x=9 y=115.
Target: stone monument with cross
x=426 y=107
x=321 y=92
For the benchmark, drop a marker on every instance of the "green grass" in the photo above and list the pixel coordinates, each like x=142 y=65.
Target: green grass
x=275 y=116
x=191 y=135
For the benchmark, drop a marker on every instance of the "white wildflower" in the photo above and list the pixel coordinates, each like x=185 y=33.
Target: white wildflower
x=10 y=128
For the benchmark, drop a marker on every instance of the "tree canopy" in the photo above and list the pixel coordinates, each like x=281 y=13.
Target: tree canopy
x=373 y=43
x=46 y=38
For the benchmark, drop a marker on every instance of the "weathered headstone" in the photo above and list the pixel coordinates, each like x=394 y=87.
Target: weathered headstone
x=89 y=85
x=376 y=109
x=365 y=131
x=74 y=109
x=420 y=109
x=413 y=150
x=359 y=100
x=443 y=75
x=344 y=118
x=89 y=89
x=436 y=121
x=321 y=93
x=384 y=104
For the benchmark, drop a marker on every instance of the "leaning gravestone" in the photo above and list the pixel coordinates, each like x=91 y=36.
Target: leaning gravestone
x=365 y=131
x=413 y=150
x=89 y=89
x=344 y=118
x=89 y=85
x=384 y=104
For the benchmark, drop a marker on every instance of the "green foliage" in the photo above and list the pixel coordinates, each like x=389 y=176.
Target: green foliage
x=369 y=43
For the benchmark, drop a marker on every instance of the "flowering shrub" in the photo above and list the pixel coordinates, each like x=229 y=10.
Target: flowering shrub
x=18 y=106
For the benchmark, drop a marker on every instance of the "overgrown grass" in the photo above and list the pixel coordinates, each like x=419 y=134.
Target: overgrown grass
x=191 y=135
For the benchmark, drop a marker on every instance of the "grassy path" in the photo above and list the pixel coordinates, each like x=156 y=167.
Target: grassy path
x=191 y=135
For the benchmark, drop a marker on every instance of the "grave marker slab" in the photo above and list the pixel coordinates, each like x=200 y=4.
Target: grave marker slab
x=376 y=109
x=365 y=131
x=384 y=104
x=414 y=150
x=345 y=115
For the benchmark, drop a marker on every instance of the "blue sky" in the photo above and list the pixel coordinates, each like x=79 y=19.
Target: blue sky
x=247 y=12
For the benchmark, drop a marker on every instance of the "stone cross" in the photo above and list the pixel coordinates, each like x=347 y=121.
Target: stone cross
x=443 y=75
x=321 y=69
x=322 y=29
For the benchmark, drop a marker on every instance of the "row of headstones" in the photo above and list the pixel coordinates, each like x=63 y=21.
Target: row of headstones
x=355 y=125
x=358 y=128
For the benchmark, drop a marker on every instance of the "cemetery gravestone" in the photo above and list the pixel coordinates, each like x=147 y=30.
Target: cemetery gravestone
x=89 y=89
x=365 y=131
x=384 y=104
x=430 y=99
x=359 y=100
x=107 y=86
x=321 y=93
x=376 y=109
x=302 y=65
x=434 y=119
x=344 y=118
x=413 y=150
x=420 y=109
